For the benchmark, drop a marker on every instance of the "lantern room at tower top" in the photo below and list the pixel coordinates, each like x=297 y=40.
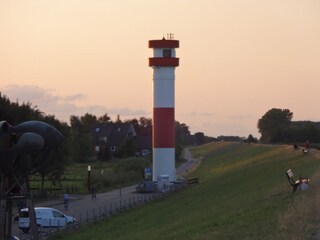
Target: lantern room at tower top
x=164 y=54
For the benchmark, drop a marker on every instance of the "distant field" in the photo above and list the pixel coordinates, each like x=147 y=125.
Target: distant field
x=243 y=194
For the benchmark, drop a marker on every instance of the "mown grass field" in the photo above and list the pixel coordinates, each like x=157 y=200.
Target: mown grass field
x=243 y=194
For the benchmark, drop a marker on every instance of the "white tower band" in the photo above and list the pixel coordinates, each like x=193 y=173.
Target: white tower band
x=163 y=63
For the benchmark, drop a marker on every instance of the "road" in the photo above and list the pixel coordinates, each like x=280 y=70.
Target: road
x=189 y=166
x=85 y=207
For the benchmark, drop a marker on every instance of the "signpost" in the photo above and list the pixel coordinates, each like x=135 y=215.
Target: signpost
x=89 y=178
x=147 y=173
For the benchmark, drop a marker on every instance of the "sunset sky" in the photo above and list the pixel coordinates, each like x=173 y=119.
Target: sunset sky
x=238 y=58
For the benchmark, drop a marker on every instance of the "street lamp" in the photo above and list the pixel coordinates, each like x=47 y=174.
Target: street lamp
x=89 y=172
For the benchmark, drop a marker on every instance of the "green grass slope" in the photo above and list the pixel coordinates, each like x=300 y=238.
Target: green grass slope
x=243 y=194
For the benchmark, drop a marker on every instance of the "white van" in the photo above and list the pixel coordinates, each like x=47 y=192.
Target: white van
x=46 y=218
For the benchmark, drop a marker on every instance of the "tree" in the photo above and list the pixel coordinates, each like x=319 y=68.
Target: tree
x=127 y=149
x=15 y=113
x=146 y=126
x=182 y=134
x=310 y=132
x=104 y=118
x=251 y=139
x=182 y=137
x=273 y=124
x=302 y=131
x=143 y=126
x=75 y=122
x=87 y=122
x=79 y=140
x=178 y=151
x=199 y=137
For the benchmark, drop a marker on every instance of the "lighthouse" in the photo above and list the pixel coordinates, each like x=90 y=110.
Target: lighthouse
x=163 y=63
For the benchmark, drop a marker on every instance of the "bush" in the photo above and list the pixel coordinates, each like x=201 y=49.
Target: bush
x=125 y=172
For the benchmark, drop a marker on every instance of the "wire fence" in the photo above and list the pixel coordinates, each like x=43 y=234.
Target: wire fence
x=53 y=192
x=95 y=214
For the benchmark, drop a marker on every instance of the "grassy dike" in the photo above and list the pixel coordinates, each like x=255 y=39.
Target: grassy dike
x=243 y=194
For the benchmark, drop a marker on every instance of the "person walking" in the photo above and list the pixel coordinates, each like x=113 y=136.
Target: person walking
x=306 y=147
x=93 y=192
x=66 y=201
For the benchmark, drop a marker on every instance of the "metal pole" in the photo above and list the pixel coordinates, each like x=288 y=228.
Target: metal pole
x=89 y=176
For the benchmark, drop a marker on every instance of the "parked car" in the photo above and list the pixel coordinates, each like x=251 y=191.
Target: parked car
x=46 y=217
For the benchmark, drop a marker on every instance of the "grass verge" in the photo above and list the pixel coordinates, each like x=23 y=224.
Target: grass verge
x=243 y=194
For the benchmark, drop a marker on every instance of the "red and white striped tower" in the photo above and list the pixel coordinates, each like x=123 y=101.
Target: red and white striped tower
x=163 y=63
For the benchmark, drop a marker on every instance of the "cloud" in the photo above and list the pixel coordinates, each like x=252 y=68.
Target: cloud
x=242 y=117
x=62 y=107
x=75 y=97
x=25 y=93
x=200 y=114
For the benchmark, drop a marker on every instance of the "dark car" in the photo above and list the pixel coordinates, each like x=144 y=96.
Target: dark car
x=146 y=187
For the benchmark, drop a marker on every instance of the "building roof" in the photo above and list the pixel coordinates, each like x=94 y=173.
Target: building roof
x=116 y=133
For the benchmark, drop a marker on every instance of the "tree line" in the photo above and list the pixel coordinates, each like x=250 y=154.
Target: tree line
x=276 y=126
x=78 y=145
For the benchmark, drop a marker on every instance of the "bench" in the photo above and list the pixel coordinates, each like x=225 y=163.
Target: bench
x=193 y=181
x=296 y=183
